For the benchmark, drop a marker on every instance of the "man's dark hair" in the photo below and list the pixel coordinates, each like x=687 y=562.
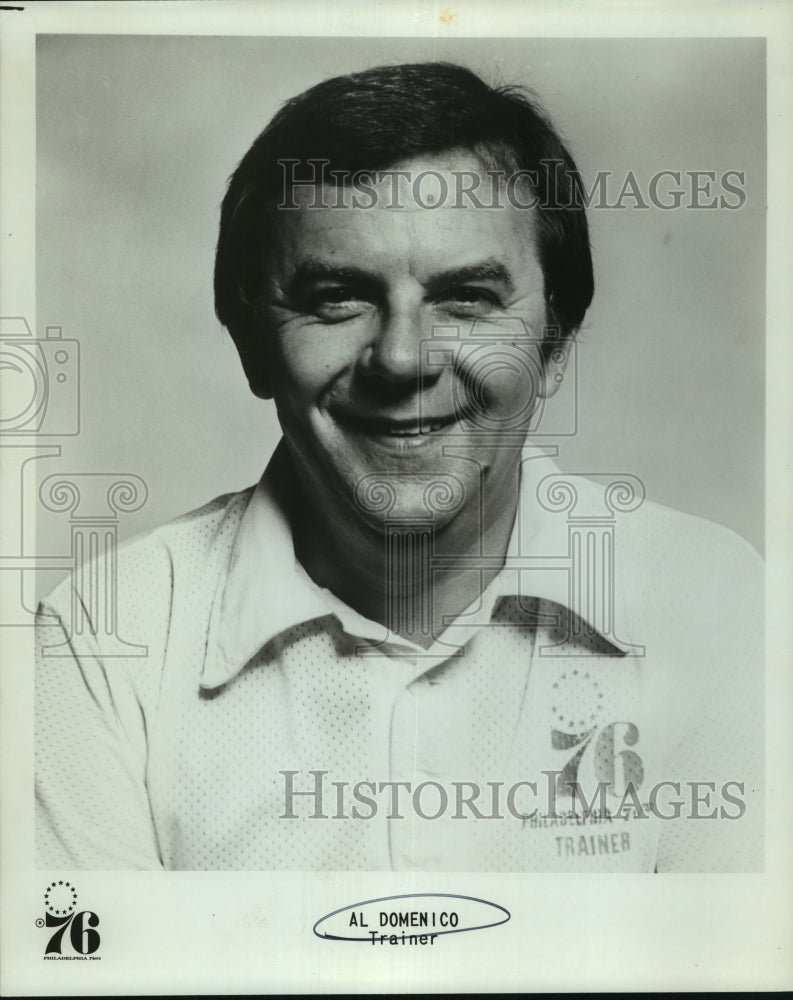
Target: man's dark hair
x=367 y=122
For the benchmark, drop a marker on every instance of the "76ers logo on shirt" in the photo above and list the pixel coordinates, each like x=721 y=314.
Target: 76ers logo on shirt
x=602 y=752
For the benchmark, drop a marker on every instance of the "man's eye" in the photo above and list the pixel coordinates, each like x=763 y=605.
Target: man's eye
x=335 y=295
x=332 y=296
x=469 y=299
x=337 y=301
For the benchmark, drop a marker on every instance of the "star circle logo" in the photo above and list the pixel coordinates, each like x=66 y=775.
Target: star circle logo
x=576 y=702
x=60 y=898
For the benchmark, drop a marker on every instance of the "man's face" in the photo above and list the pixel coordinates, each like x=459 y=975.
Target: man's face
x=361 y=385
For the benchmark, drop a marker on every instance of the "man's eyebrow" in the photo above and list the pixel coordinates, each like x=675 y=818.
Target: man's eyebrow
x=313 y=270
x=486 y=270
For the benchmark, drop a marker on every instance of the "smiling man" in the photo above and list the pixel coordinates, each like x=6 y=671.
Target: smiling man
x=414 y=643
x=351 y=298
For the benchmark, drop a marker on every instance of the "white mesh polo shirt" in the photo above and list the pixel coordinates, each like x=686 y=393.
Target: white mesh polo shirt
x=599 y=709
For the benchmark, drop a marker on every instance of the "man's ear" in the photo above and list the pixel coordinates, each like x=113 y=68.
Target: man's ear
x=251 y=348
x=554 y=365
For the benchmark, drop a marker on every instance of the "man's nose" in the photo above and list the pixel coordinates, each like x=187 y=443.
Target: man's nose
x=394 y=353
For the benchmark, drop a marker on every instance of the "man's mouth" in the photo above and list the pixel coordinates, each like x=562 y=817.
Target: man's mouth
x=411 y=428
x=392 y=427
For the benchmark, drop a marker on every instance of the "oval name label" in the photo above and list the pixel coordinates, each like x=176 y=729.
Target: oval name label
x=424 y=915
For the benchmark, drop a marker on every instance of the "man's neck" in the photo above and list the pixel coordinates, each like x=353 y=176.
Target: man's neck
x=406 y=576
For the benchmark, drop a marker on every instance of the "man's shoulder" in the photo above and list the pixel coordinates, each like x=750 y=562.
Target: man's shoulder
x=191 y=545
x=687 y=574
x=649 y=535
x=687 y=543
x=198 y=531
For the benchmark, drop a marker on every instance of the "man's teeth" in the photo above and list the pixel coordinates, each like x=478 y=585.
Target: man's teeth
x=414 y=431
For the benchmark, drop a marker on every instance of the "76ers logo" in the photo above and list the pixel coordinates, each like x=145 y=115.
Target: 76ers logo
x=615 y=764
x=607 y=749
x=60 y=904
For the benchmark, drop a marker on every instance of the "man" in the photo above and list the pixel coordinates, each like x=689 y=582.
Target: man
x=415 y=643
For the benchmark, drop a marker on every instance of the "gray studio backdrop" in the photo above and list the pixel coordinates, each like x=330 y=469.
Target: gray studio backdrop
x=136 y=136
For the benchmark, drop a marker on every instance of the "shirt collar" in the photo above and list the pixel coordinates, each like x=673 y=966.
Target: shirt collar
x=265 y=590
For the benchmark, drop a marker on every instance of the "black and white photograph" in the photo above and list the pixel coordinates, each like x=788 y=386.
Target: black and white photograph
x=394 y=523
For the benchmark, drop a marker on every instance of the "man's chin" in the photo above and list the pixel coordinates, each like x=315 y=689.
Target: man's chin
x=347 y=486
x=408 y=497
